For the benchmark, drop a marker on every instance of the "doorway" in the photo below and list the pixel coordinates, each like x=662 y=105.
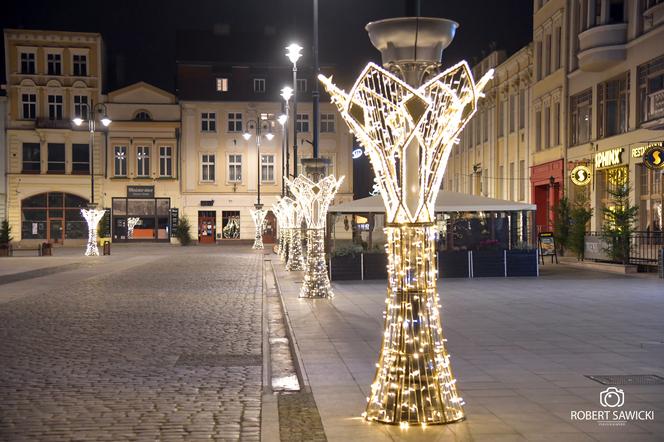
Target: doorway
x=270 y=228
x=207 y=226
x=55 y=230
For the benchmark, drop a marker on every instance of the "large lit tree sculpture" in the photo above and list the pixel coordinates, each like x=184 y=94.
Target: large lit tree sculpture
x=92 y=217
x=258 y=215
x=408 y=117
x=313 y=200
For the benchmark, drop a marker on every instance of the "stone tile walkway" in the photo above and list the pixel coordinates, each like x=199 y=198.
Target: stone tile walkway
x=520 y=348
x=133 y=347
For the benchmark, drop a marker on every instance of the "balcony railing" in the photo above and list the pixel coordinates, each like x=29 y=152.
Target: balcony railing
x=656 y=104
x=47 y=123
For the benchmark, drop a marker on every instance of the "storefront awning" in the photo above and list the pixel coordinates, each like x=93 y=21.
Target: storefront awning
x=446 y=202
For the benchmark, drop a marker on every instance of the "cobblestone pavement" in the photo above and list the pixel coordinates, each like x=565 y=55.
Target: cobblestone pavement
x=167 y=350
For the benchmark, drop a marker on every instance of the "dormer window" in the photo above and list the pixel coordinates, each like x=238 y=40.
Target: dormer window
x=142 y=116
x=259 y=85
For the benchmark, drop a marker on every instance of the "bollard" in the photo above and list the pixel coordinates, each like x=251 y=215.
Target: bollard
x=107 y=248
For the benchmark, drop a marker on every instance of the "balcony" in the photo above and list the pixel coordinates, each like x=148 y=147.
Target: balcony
x=602 y=47
x=46 y=123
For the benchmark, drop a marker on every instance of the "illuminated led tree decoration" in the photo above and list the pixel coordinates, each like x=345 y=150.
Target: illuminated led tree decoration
x=293 y=218
x=258 y=215
x=408 y=119
x=276 y=209
x=131 y=224
x=92 y=217
x=314 y=199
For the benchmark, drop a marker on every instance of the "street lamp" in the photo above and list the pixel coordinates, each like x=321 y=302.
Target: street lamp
x=286 y=94
x=293 y=54
x=258 y=214
x=92 y=215
x=282 y=119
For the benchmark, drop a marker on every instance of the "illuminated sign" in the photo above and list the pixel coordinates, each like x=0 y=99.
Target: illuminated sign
x=653 y=158
x=581 y=175
x=637 y=152
x=608 y=158
x=357 y=153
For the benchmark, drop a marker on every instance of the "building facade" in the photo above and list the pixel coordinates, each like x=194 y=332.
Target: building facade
x=222 y=170
x=51 y=78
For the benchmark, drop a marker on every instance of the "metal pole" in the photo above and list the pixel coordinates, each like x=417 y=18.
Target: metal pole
x=283 y=155
x=258 y=161
x=314 y=93
x=91 y=126
x=294 y=119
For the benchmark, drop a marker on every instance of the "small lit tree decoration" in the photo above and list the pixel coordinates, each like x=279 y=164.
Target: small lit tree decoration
x=293 y=216
x=313 y=200
x=258 y=215
x=276 y=209
x=408 y=133
x=131 y=224
x=92 y=217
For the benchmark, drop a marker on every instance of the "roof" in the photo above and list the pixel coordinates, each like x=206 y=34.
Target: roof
x=446 y=202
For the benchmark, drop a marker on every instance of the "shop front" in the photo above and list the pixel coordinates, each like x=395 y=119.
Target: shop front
x=547 y=188
x=649 y=187
x=53 y=217
x=140 y=216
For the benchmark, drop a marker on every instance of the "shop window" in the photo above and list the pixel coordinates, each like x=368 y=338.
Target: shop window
x=56 y=158
x=230 y=224
x=80 y=156
x=580 y=114
x=31 y=158
x=612 y=106
x=53 y=216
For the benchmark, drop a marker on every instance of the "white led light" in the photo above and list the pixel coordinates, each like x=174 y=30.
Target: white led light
x=258 y=216
x=92 y=217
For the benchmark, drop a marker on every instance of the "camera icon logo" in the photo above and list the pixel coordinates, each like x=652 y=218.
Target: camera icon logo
x=612 y=397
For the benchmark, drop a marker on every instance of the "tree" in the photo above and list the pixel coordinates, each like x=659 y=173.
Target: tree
x=561 y=224
x=5 y=232
x=182 y=231
x=619 y=220
x=580 y=214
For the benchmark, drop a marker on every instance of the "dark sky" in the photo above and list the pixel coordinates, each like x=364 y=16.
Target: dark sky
x=140 y=35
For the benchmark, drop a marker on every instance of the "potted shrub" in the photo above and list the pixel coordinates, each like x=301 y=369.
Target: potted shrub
x=5 y=238
x=182 y=231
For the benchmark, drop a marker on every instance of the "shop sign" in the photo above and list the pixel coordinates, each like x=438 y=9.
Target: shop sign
x=653 y=158
x=637 y=152
x=140 y=191
x=207 y=203
x=608 y=158
x=175 y=219
x=595 y=247
x=581 y=175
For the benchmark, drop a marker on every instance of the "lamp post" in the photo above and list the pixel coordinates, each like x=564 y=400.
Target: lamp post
x=283 y=118
x=293 y=54
x=258 y=214
x=286 y=94
x=92 y=215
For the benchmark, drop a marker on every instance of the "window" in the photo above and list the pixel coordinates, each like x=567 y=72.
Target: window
x=302 y=124
x=222 y=84
x=81 y=106
x=143 y=161
x=547 y=59
x=538 y=60
x=267 y=168
x=208 y=122
x=651 y=89
x=558 y=48
x=80 y=159
x=207 y=167
x=478 y=128
x=501 y=118
x=56 y=158
x=165 y=161
x=327 y=123
x=230 y=222
x=54 y=64
x=142 y=116
x=301 y=84
x=522 y=109
x=547 y=127
x=235 y=122
x=80 y=63
x=55 y=107
x=512 y=182
x=235 y=168
x=580 y=114
x=485 y=125
x=556 y=123
x=512 y=113
x=29 y=106
x=499 y=182
x=259 y=85
x=612 y=106
x=538 y=130
x=522 y=180
x=616 y=11
x=120 y=161
x=31 y=158
x=27 y=63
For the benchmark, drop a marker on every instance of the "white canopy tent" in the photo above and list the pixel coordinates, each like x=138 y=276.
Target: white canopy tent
x=446 y=202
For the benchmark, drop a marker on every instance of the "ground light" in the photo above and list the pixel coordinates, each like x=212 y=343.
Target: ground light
x=408 y=132
x=314 y=199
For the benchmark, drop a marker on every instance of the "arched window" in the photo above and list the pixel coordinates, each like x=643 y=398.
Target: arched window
x=142 y=116
x=53 y=216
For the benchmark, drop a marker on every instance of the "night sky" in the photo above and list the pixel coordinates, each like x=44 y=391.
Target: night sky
x=141 y=36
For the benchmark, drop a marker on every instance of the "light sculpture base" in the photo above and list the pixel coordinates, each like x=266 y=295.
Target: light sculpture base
x=258 y=215
x=295 y=260
x=92 y=217
x=414 y=382
x=316 y=280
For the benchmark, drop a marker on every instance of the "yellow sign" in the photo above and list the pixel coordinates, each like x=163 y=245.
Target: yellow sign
x=608 y=158
x=637 y=152
x=653 y=158
x=581 y=175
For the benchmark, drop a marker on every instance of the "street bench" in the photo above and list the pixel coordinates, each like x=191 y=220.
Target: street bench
x=43 y=249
